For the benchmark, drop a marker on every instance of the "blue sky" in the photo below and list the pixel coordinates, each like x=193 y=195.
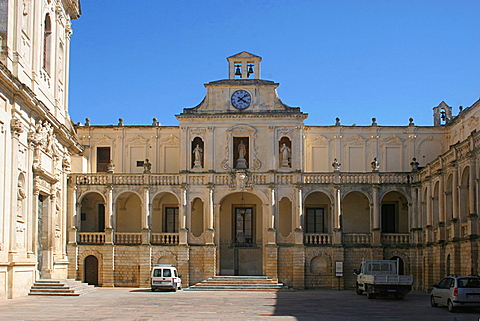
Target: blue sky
x=349 y=59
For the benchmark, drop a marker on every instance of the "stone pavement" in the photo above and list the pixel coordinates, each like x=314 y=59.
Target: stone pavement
x=141 y=304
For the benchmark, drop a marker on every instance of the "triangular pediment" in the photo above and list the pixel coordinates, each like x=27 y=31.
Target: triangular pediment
x=244 y=54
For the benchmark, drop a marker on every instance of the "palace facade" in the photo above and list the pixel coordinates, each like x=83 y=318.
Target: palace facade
x=243 y=187
x=240 y=187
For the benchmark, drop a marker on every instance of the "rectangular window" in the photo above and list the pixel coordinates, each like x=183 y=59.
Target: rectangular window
x=140 y=163
x=315 y=220
x=103 y=159
x=171 y=220
x=389 y=218
x=244 y=226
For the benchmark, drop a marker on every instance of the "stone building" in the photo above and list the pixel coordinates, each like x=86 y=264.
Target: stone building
x=240 y=187
x=36 y=141
x=243 y=187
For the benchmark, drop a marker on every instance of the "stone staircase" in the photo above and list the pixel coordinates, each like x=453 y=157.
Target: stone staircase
x=66 y=287
x=238 y=283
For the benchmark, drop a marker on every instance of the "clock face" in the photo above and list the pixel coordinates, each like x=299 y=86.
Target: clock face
x=241 y=99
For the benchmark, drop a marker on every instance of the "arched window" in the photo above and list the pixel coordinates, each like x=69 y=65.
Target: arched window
x=47 y=43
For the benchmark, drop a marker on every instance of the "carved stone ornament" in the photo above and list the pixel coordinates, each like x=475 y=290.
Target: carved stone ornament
x=43 y=136
x=241 y=179
x=17 y=127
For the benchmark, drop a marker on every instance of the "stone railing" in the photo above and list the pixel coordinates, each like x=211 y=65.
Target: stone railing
x=91 y=237
x=395 y=238
x=317 y=239
x=356 y=238
x=165 y=238
x=228 y=179
x=128 y=238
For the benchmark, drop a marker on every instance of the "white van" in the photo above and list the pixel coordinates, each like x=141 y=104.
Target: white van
x=165 y=277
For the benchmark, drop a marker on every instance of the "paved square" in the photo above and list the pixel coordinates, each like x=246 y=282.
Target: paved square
x=141 y=304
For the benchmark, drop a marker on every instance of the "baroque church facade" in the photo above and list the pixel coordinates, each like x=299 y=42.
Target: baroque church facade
x=240 y=187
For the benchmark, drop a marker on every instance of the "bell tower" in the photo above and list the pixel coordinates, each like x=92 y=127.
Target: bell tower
x=244 y=65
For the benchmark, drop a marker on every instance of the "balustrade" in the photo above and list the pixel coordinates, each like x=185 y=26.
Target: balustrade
x=317 y=239
x=165 y=238
x=91 y=237
x=356 y=238
x=128 y=238
x=395 y=238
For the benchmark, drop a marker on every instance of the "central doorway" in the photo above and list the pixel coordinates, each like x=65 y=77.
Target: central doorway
x=241 y=239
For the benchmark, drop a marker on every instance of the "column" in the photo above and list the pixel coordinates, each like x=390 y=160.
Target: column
x=375 y=211
x=455 y=188
x=146 y=215
x=109 y=215
x=337 y=209
x=72 y=214
x=183 y=216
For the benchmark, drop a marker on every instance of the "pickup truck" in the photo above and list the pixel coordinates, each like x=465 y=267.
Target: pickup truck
x=381 y=277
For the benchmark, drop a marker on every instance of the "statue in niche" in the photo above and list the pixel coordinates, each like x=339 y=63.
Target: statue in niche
x=20 y=197
x=336 y=165
x=147 y=167
x=242 y=151
x=197 y=152
x=375 y=165
x=285 y=152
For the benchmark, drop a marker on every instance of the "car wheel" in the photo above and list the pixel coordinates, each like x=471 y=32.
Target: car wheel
x=432 y=302
x=450 y=306
x=370 y=294
x=359 y=291
x=153 y=289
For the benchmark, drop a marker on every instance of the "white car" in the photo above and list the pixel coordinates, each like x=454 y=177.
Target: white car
x=456 y=291
x=165 y=277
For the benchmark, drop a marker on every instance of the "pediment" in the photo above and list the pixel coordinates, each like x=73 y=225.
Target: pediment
x=356 y=138
x=138 y=139
x=104 y=139
x=242 y=128
x=244 y=54
x=392 y=138
x=171 y=140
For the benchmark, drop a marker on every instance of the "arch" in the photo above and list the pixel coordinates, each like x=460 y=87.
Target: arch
x=285 y=149
x=401 y=255
x=165 y=213
x=90 y=267
x=285 y=217
x=241 y=221
x=394 y=212
x=464 y=193
x=356 y=213
x=428 y=150
x=164 y=257
x=92 y=212
x=81 y=260
x=197 y=216
x=318 y=253
x=128 y=212
x=318 y=213
x=401 y=264
x=197 y=154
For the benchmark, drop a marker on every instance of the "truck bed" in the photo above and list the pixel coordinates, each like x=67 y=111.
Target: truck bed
x=388 y=279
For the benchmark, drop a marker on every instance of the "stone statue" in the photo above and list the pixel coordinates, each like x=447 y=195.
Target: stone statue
x=197 y=152
x=242 y=150
x=111 y=167
x=147 y=167
x=414 y=165
x=336 y=165
x=375 y=165
x=285 y=151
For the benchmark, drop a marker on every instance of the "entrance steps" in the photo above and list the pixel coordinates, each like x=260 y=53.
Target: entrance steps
x=66 y=287
x=238 y=283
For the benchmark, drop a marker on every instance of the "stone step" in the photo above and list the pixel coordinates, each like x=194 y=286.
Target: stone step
x=66 y=287
x=238 y=283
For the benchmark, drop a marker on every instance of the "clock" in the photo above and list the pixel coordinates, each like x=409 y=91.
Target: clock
x=241 y=99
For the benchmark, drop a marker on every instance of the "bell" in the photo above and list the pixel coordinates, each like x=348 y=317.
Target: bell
x=250 y=69
x=238 y=72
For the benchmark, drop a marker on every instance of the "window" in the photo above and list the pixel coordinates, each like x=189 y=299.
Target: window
x=171 y=220
x=47 y=43
x=103 y=159
x=315 y=220
x=244 y=226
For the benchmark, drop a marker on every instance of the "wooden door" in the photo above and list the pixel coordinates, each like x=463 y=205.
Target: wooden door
x=91 y=270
